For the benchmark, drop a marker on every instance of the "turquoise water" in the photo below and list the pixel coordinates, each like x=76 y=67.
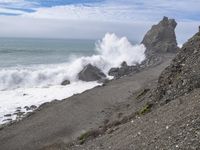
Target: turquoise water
x=21 y=51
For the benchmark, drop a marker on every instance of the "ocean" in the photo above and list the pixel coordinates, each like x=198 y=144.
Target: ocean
x=26 y=51
x=31 y=70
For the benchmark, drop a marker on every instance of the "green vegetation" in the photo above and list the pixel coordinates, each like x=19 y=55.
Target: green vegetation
x=83 y=137
x=146 y=109
x=141 y=93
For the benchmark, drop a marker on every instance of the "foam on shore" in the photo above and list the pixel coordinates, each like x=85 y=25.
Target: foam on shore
x=33 y=85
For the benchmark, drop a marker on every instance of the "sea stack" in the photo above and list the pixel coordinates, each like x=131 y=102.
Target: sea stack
x=161 y=38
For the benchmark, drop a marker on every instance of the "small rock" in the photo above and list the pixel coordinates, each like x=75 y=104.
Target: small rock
x=66 y=82
x=7 y=120
x=19 y=114
x=104 y=81
x=7 y=115
x=124 y=64
x=27 y=108
x=32 y=107
x=123 y=70
x=18 y=110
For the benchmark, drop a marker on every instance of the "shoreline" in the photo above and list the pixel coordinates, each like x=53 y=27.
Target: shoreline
x=66 y=120
x=26 y=110
x=25 y=101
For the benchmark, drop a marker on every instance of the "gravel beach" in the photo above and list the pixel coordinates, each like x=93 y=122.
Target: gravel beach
x=65 y=121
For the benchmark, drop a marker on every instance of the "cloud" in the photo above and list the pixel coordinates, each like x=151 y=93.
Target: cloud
x=49 y=28
x=84 y=12
x=15 y=26
x=16 y=7
x=93 y=18
x=124 y=10
x=11 y=1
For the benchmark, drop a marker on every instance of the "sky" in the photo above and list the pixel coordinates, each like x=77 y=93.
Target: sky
x=91 y=19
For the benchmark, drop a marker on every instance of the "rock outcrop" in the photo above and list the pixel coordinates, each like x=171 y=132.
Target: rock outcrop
x=161 y=38
x=124 y=69
x=91 y=73
x=183 y=75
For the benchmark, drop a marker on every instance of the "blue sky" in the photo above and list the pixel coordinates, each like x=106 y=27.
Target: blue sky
x=92 y=18
x=126 y=9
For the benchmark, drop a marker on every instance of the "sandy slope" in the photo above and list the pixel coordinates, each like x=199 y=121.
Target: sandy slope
x=174 y=126
x=61 y=122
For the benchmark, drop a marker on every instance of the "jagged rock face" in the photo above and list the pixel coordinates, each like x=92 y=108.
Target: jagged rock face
x=91 y=73
x=183 y=75
x=161 y=37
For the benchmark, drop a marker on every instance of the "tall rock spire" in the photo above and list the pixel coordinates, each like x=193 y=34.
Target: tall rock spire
x=161 y=37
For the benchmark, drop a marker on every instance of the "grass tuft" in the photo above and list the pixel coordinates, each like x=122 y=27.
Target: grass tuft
x=90 y=134
x=146 y=109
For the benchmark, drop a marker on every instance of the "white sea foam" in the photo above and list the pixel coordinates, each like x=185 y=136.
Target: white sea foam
x=42 y=83
x=21 y=97
x=112 y=51
x=180 y=45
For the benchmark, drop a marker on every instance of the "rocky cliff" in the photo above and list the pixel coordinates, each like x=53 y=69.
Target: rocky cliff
x=183 y=75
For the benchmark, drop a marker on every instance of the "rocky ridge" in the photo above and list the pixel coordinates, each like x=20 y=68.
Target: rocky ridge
x=183 y=75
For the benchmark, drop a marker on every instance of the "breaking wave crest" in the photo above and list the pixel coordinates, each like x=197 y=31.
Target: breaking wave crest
x=111 y=52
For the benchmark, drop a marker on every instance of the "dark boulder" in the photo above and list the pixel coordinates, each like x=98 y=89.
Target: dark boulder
x=91 y=73
x=65 y=82
x=104 y=81
x=32 y=107
x=124 y=64
x=7 y=115
x=113 y=72
x=183 y=74
x=161 y=38
x=124 y=69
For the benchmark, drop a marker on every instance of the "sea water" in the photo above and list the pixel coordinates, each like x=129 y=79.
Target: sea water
x=32 y=70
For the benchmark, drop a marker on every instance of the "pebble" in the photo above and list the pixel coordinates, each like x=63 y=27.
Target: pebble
x=7 y=120
x=33 y=107
x=7 y=115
